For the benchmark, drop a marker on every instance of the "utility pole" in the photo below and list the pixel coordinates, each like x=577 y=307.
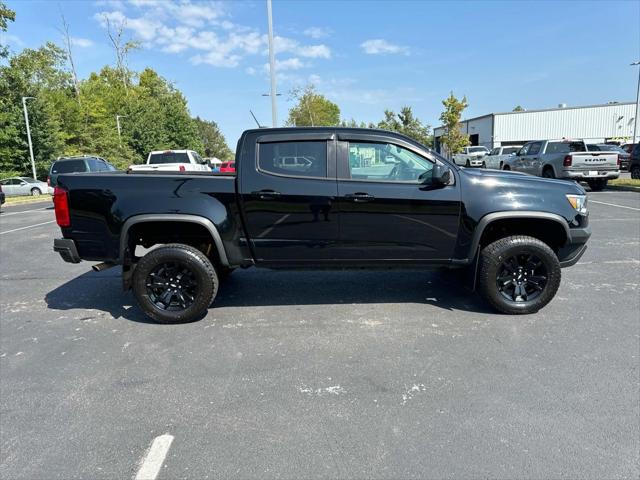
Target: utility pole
x=635 y=120
x=26 y=120
x=272 y=67
x=118 y=117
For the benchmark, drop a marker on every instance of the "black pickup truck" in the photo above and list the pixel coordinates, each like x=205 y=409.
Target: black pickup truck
x=323 y=198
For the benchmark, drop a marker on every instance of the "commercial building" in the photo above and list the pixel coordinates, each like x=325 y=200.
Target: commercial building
x=594 y=123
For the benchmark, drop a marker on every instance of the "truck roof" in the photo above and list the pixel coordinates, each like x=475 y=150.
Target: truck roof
x=169 y=151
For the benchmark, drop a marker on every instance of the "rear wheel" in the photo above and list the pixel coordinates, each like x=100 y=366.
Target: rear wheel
x=518 y=274
x=597 y=185
x=35 y=192
x=548 y=173
x=175 y=283
x=506 y=167
x=635 y=172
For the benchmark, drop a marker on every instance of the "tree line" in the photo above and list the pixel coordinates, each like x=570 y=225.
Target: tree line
x=71 y=116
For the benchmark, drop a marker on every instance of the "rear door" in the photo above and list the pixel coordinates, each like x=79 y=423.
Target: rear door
x=289 y=207
x=388 y=209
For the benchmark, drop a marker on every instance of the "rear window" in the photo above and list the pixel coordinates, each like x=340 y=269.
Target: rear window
x=298 y=159
x=168 y=157
x=565 y=147
x=69 y=166
x=510 y=150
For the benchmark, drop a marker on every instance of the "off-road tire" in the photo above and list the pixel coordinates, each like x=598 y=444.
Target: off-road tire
x=192 y=259
x=491 y=259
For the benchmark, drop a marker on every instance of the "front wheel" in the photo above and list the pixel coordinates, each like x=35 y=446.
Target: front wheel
x=175 y=284
x=518 y=274
x=35 y=192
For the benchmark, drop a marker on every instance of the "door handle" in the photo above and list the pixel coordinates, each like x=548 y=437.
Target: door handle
x=266 y=194
x=359 y=197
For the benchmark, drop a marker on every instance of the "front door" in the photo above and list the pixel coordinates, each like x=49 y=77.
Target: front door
x=289 y=199
x=389 y=211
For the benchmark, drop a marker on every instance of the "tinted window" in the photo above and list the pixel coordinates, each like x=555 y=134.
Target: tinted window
x=69 y=166
x=524 y=150
x=96 y=165
x=302 y=159
x=29 y=180
x=534 y=148
x=387 y=163
x=168 y=157
x=593 y=148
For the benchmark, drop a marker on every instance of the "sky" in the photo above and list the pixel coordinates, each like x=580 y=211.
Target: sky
x=367 y=56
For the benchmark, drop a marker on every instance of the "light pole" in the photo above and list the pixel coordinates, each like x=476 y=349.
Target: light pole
x=272 y=67
x=118 y=117
x=635 y=121
x=26 y=121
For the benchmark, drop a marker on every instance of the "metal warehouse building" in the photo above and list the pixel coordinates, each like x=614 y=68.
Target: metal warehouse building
x=594 y=123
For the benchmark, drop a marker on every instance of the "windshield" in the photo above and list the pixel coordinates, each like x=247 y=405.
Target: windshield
x=168 y=157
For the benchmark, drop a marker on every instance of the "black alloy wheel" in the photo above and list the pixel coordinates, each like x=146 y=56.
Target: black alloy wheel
x=172 y=286
x=521 y=277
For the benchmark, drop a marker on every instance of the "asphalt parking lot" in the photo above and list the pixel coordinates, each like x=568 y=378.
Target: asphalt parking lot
x=321 y=374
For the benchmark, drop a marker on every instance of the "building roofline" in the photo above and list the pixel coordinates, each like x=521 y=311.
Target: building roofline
x=543 y=110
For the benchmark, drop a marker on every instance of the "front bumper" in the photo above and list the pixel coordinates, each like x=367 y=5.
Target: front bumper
x=591 y=175
x=476 y=162
x=575 y=247
x=67 y=250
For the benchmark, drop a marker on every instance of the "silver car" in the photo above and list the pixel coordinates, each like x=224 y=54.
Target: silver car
x=23 y=186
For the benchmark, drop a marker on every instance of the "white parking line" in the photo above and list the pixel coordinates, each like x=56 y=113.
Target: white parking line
x=614 y=205
x=153 y=460
x=25 y=211
x=28 y=226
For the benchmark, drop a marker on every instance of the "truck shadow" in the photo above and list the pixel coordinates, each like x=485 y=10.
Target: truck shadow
x=253 y=287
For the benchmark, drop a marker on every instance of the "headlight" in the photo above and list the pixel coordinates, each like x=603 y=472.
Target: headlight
x=578 y=202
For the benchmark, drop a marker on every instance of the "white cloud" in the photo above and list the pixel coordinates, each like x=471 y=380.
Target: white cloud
x=203 y=30
x=317 y=32
x=379 y=46
x=81 y=42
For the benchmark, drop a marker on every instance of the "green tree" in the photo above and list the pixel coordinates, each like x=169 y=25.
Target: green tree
x=518 y=108
x=6 y=15
x=407 y=124
x=212 y=139
x=453 y=138
x=312 y=109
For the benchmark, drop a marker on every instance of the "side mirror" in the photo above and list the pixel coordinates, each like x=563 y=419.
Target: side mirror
x=441 y=175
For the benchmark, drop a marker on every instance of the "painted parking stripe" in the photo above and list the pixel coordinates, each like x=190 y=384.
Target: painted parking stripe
x=153 y=460
x=614 y=205
x=43 y=209
x=28 y=226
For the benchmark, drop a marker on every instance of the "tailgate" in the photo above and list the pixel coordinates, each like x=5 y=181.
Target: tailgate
x=162 y=167
x=594 y=161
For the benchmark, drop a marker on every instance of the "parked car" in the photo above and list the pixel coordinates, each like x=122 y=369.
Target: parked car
x=516 y=231
x=498 y=155
x=78 y=164
x=24 y=186
x=173 y=161
x=566 y=159
x=634 y=162
x=228 y=167
x=471 y=157
x=607 y=147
